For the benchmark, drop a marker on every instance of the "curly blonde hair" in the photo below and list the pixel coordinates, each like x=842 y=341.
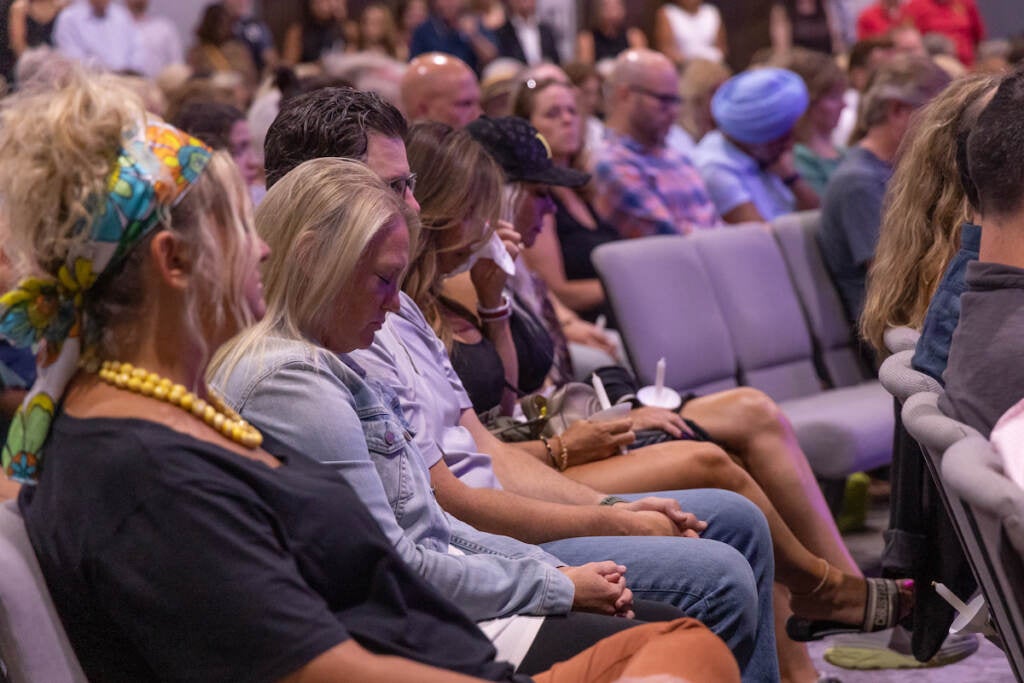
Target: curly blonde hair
x=925 y=206
x=60 y=144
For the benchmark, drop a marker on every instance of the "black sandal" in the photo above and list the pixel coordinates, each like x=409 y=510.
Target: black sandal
x=881 y=611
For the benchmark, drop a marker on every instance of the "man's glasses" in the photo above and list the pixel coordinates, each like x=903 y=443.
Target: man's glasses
x=663 y=100
x=402 y=183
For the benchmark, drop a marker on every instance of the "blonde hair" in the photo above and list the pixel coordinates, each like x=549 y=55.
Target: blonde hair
x=697 y=85
x=59 y=148
x=457 y=181
x=925 y=207
x=319 y=220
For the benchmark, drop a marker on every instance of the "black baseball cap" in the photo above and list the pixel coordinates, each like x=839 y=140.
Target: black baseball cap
x=522 y=152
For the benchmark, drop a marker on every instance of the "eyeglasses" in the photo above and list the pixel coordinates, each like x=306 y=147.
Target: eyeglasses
x=663 y=100
x=402 y=184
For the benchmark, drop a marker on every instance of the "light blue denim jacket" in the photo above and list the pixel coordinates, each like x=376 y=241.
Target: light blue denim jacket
x=320 y=404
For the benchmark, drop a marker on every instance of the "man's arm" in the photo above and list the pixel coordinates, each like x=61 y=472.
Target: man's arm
x=538 y=521
x=525 y=474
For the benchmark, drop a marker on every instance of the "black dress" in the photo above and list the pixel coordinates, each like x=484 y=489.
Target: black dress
x=577 y=242
x=609 y=47
x=170 y=558
x=810 y=31
x=38 y=33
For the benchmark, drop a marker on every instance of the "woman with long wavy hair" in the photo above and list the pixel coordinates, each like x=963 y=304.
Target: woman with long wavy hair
x=927 y=205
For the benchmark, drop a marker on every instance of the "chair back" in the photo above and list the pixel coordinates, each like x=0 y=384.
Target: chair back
x=761 y=310
x=33 y=645
x=665 y=307
x=797 y=236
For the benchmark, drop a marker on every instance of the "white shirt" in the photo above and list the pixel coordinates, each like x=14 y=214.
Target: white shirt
x=681 y=141
x=847 y=119
x=110 y=42
x=696 y=34
x=528 y=33
x=162 y=45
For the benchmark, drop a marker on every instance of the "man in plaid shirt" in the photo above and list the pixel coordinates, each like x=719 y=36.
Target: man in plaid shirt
x=643 y=187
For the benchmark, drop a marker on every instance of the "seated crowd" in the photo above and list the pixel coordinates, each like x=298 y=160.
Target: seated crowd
x=289 y=312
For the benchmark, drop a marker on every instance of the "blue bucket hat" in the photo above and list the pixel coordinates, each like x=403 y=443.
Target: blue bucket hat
x=759 y=105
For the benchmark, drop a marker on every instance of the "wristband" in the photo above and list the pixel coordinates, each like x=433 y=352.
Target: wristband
x=495 y=317
x=500 y=308
x=612 y=500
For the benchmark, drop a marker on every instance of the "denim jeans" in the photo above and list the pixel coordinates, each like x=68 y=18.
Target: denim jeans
x=723 y=579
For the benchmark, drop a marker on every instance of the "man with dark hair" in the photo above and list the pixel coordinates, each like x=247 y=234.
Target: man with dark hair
x=984 y=376
x=341 y=122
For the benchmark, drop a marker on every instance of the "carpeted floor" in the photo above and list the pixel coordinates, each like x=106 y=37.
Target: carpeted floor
x=987 y=665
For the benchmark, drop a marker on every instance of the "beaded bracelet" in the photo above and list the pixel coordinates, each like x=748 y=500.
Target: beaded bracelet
x=551 y=454
x=563 y=456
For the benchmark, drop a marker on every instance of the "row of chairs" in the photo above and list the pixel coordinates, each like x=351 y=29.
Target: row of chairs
x=987 y=509
x=753 y=305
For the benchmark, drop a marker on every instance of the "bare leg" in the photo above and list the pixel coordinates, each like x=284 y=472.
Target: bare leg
x=751 y=426
x=795 y=664
x=688 y=465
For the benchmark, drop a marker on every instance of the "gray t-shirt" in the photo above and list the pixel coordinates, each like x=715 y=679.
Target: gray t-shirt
x=851 y=215
x=985 y=373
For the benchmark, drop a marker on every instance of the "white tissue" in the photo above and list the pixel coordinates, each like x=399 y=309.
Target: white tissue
x=493 y=249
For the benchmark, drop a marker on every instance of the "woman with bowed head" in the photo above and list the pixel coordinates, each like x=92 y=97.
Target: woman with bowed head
x=257 y=566
x=336 y=229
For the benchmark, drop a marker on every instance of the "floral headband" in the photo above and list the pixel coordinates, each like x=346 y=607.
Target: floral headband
x=156 y=166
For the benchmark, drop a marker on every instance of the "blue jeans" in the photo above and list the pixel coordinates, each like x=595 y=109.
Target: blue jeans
x=724 y=579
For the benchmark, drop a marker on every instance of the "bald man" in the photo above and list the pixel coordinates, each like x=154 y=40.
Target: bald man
x=440 y=87
x=643 y=186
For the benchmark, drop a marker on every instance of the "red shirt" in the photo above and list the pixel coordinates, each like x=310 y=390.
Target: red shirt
x=875 y=20
x=958 y=19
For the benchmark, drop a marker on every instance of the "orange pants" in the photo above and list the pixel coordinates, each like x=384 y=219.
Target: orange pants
x=684 y=648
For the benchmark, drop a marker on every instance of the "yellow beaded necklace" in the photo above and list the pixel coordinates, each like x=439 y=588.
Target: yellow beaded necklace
x=214 y=412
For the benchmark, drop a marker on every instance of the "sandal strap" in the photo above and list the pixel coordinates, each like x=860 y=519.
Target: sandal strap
x=882 y=608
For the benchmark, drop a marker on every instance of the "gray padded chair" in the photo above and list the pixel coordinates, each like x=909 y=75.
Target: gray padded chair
x=842 y=430
x=973 y=471
x=994 y=507
x=666 y=305
x=33 y=645
x=796 y=235
x=658 y=288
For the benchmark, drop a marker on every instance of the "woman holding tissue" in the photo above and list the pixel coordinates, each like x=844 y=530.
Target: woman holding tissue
x=769 y=467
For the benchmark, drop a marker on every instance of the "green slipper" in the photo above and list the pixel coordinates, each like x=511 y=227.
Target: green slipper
x=891 y=650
